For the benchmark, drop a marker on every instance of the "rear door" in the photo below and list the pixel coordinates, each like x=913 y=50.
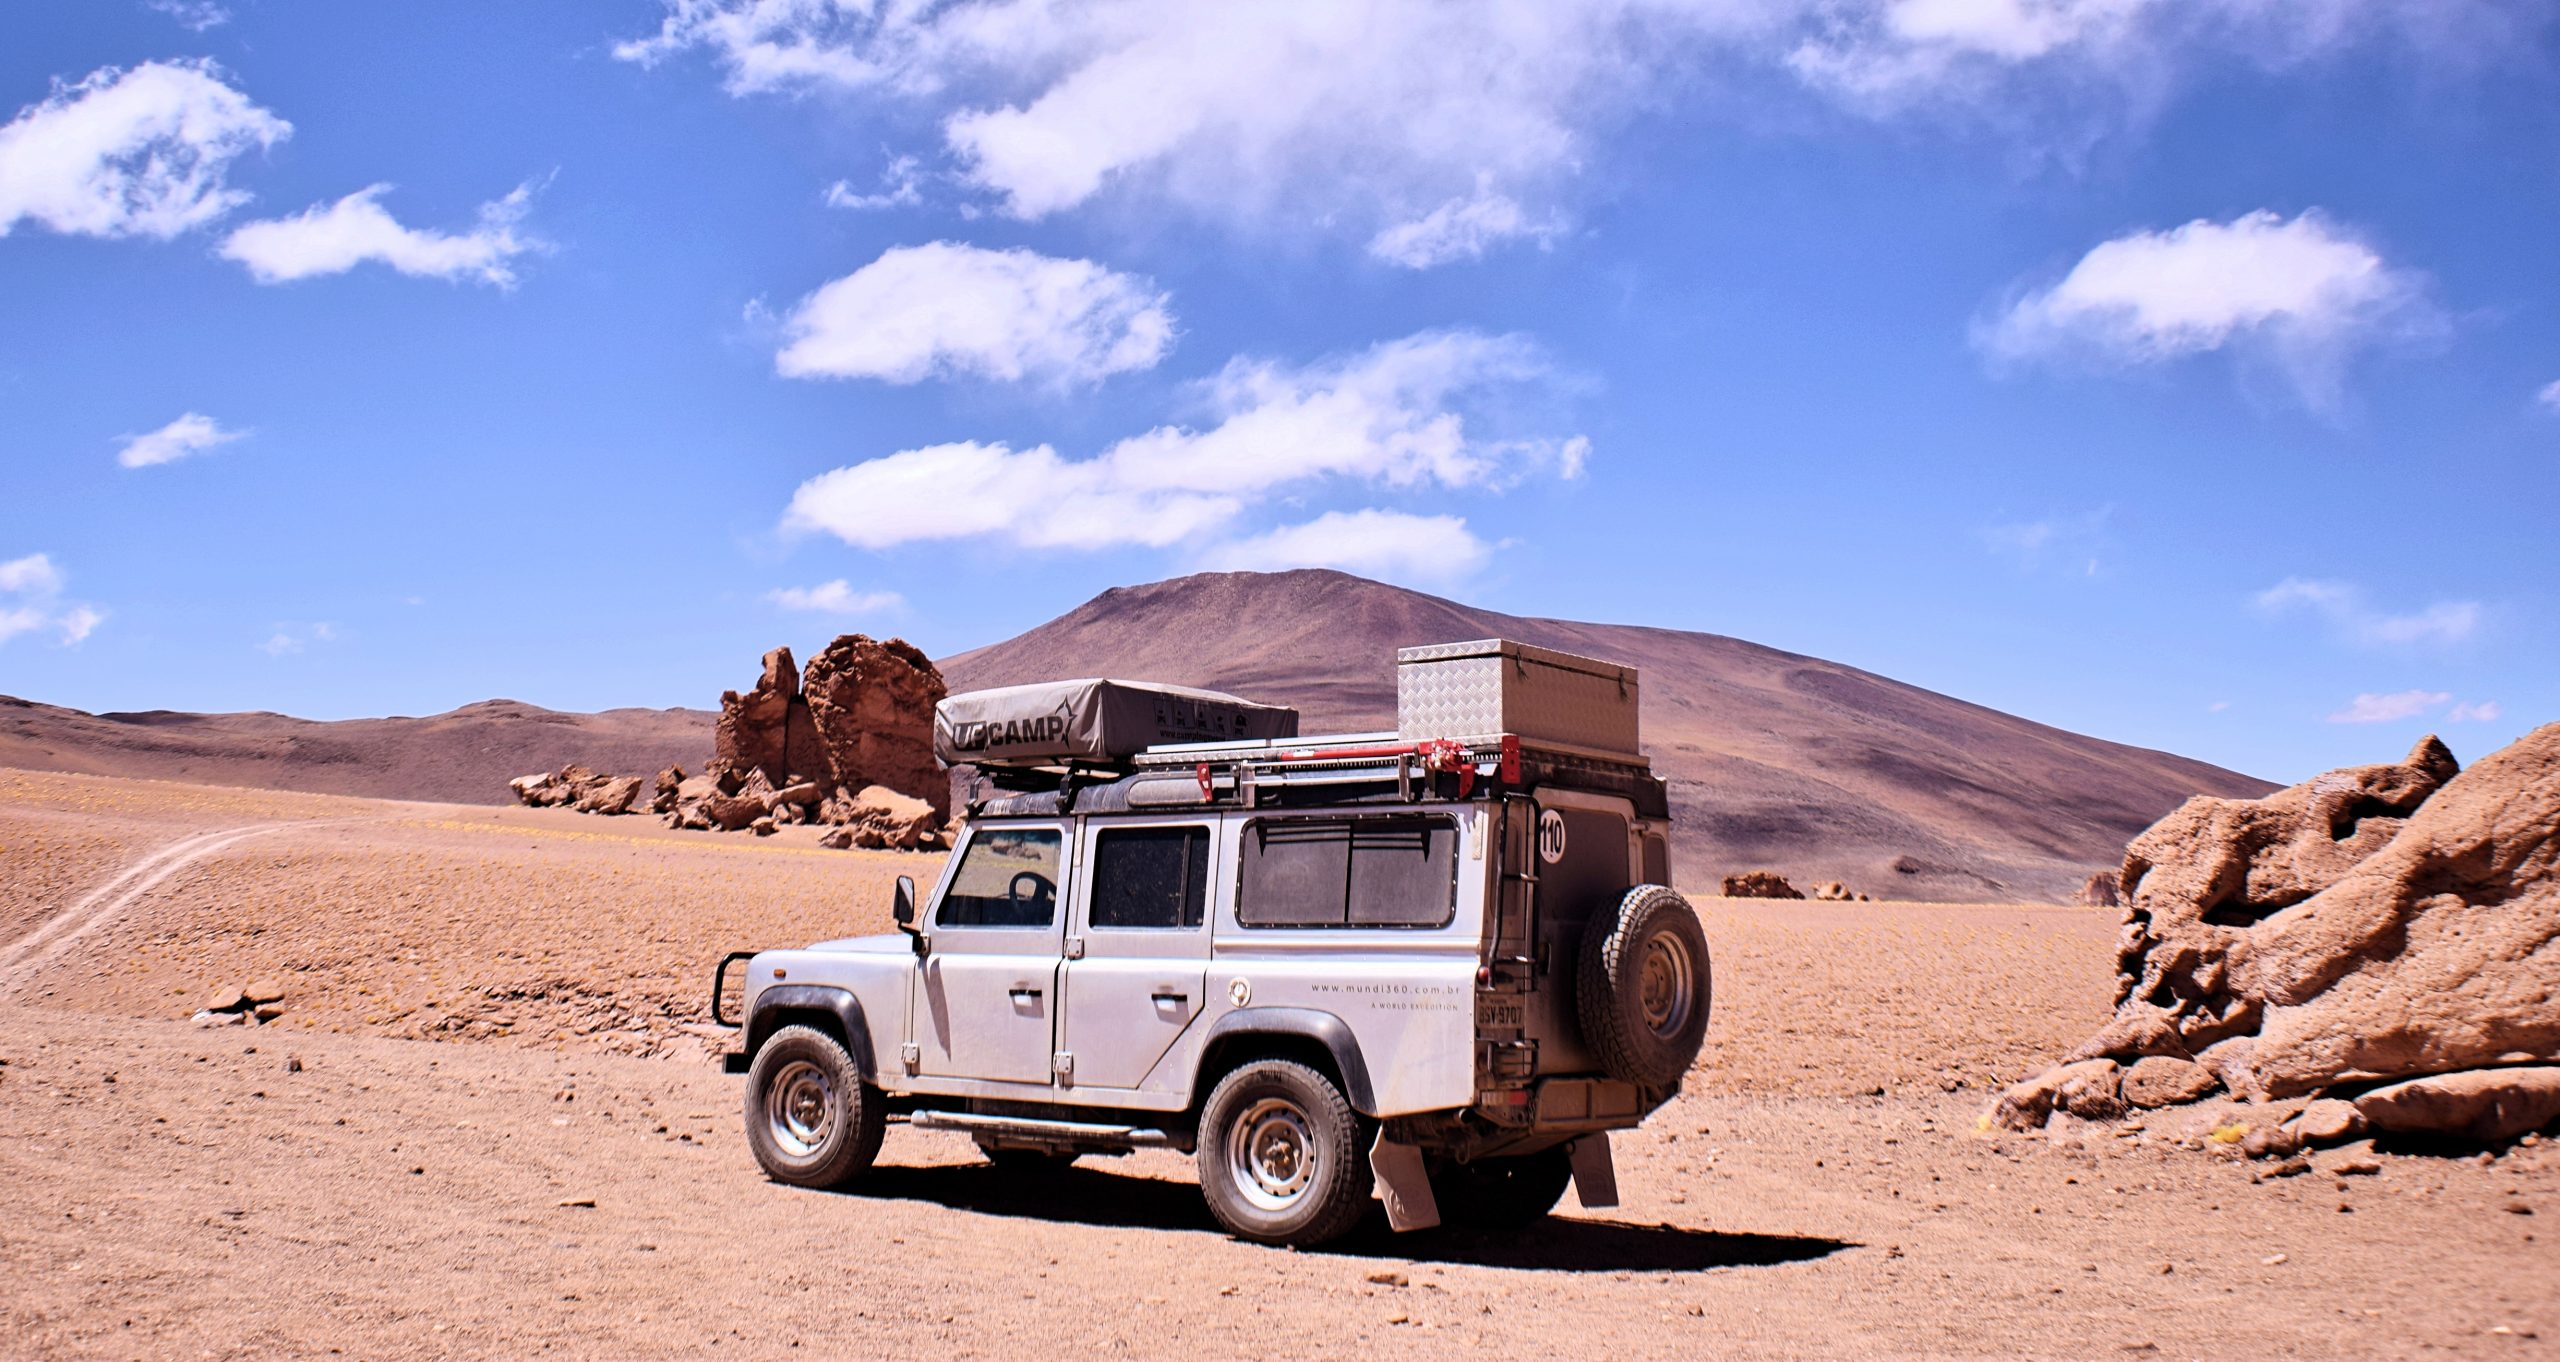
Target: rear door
x=986 y=1000
x=1140 y=961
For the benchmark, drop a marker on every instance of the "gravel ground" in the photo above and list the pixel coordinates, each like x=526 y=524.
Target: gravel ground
x=485 y=1018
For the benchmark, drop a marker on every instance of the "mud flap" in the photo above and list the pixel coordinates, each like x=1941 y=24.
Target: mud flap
x=1403 y=1185
x=1595 y=1177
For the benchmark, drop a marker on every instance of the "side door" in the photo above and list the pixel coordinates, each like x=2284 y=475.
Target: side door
x=1142 y=922
x=986 y=993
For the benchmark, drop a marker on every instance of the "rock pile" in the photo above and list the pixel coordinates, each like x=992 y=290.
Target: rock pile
x=1759 y=884
x=255 y=1003
x=847 y=743
x=2374 y=950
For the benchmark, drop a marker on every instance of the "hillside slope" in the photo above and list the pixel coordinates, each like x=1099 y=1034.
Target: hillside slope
x=1815 y=769
x=465 y=755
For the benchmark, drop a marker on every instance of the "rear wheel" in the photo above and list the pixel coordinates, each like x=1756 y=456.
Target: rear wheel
x=1501 y=1194
x=1645 y=987
x=811 y=1120
x=1279 y=1157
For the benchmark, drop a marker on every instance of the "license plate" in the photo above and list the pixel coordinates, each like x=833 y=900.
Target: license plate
x=1503 y=1013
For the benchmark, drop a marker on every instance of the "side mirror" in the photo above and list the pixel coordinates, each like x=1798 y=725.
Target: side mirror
x=902 y=909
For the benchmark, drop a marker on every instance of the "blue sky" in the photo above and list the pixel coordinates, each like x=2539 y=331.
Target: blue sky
x=2185 y=373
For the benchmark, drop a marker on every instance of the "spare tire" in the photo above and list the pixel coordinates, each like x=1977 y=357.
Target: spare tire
x=1645 y=987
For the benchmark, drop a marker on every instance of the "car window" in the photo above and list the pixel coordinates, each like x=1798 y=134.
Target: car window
x=1007 y=878
x=1395 y=871
x=1150 y=877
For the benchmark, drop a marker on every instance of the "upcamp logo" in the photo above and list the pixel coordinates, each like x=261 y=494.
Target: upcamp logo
x=981 y=736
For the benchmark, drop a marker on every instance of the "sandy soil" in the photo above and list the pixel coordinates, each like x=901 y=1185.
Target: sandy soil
x=486 y=1020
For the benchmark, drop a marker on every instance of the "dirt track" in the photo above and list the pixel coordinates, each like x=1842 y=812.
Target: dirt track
x=488 y=1007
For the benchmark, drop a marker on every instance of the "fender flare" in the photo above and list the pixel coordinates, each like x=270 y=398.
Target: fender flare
x=1305 y=1023
x=777 y=1002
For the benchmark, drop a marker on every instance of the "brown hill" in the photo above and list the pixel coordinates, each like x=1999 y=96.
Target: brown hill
x=463 y=756
x=1815 y=769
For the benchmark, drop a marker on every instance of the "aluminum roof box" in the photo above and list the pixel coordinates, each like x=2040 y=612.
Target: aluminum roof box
x=1093 y=722
x=1471 y=690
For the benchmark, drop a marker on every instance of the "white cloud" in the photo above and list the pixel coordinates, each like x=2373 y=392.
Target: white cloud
x=948 y=309
x=2481 y=712
x=193 y=15
x=131 y=153
x=2305 y=294
x=836 y=598
x=2549 y=396
x=901 y=186
x=2344 y=605
x=31 y=600
x=193 y=433
x=286 y=640
x=2076 y=541
x=2369 y=708
x=1461 y=229
x=1393 y=415
x=336 y=237
x=1386 y=544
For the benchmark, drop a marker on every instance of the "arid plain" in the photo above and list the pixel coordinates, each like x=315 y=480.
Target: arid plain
x=486 y=1123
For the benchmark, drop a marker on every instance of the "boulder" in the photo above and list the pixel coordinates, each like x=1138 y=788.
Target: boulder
x=2486 y=1105
x=2099 y=891
x=729 y=813
x=609 y=795
x=880 y=816
x=669 y=791
x=873 y=706
x=2163 y=1081
x=2375 y=923
x=1833 y=891
x=2328 y=1121
x=2086 y=1089
x=1759 y=884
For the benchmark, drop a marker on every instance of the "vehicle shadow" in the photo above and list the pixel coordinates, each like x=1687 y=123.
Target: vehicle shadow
x=1095 y=1196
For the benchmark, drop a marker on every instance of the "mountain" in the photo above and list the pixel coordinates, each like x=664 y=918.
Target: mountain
x=464 y=756
x=1775 y=760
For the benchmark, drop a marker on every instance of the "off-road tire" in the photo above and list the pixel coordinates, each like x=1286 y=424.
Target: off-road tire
x=1645 y=987
x=1501 y=1194
x=811 y=1120
x=1281 y=1156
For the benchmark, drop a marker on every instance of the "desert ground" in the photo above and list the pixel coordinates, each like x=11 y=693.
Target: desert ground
x=488 y=1123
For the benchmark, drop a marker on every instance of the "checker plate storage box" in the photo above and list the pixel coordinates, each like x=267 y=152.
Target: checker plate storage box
x=1464 y=690
x=1052 y=723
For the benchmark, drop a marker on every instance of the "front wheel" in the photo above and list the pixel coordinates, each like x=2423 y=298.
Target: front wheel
x=811 y=1120
x=1280 y=1159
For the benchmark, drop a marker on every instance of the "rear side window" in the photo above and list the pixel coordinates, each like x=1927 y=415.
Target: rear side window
x=1348 y=872
x=1150 y=877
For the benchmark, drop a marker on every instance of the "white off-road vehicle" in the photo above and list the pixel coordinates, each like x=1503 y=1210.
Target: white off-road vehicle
x=1435 y=966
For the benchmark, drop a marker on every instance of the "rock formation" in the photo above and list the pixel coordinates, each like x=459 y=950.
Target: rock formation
x=2378 y=923
x=848 y=742
x=1759 y=884
x=1833 y=891
x=2100 y=892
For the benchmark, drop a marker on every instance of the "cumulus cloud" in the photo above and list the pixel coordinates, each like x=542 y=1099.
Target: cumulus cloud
x=836 y=598
x=334 y=238
x=1461 y=229
x=193 y=433
x=2475 y=712
x=1438 y=129
x=2550 y=396
x=901 y=186
x=1393 y=415
x=1387 y=544
x=2304 y=293
x=946 y=310
x=31 y=602
x=2345 y=606
x=131 y=153
x=2369 y=708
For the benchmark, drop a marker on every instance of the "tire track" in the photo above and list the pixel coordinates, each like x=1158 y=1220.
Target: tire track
x=22 y=958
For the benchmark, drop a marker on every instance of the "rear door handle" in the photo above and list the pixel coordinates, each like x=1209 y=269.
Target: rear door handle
x=1163 y=997
x=1017 y=994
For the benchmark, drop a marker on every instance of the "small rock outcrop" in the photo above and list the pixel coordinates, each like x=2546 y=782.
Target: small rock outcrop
x=1759 y=884
x=1833 y=891
x=2378 y=923
x=2099 y=891
x=848 y=741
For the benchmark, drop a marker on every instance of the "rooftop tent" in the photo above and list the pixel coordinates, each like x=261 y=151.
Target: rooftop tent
x=1094 y=721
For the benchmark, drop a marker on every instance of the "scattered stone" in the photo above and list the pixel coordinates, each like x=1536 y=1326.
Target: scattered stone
x=762 y=827
x=1759 y=884
x=2086 y=1090
x=1833 y=891
x=228 y=998
x=2328 y=1121
x=293 y=1064
x=2486 y=1105
x=576 y=1202
x=2162 y=1081
x=263 y=991
x=1387 y=1278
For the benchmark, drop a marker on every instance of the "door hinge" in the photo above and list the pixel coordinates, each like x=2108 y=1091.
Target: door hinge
x=1064 y=1062
x=910 y=1056
x=1075 y=948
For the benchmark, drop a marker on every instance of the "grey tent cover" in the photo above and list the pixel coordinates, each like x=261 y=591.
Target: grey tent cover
x=1052 y=722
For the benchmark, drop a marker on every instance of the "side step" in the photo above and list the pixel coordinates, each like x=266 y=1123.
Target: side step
x=1034 y=1130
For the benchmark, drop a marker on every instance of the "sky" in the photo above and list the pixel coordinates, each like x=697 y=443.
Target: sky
x=2182 y=372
